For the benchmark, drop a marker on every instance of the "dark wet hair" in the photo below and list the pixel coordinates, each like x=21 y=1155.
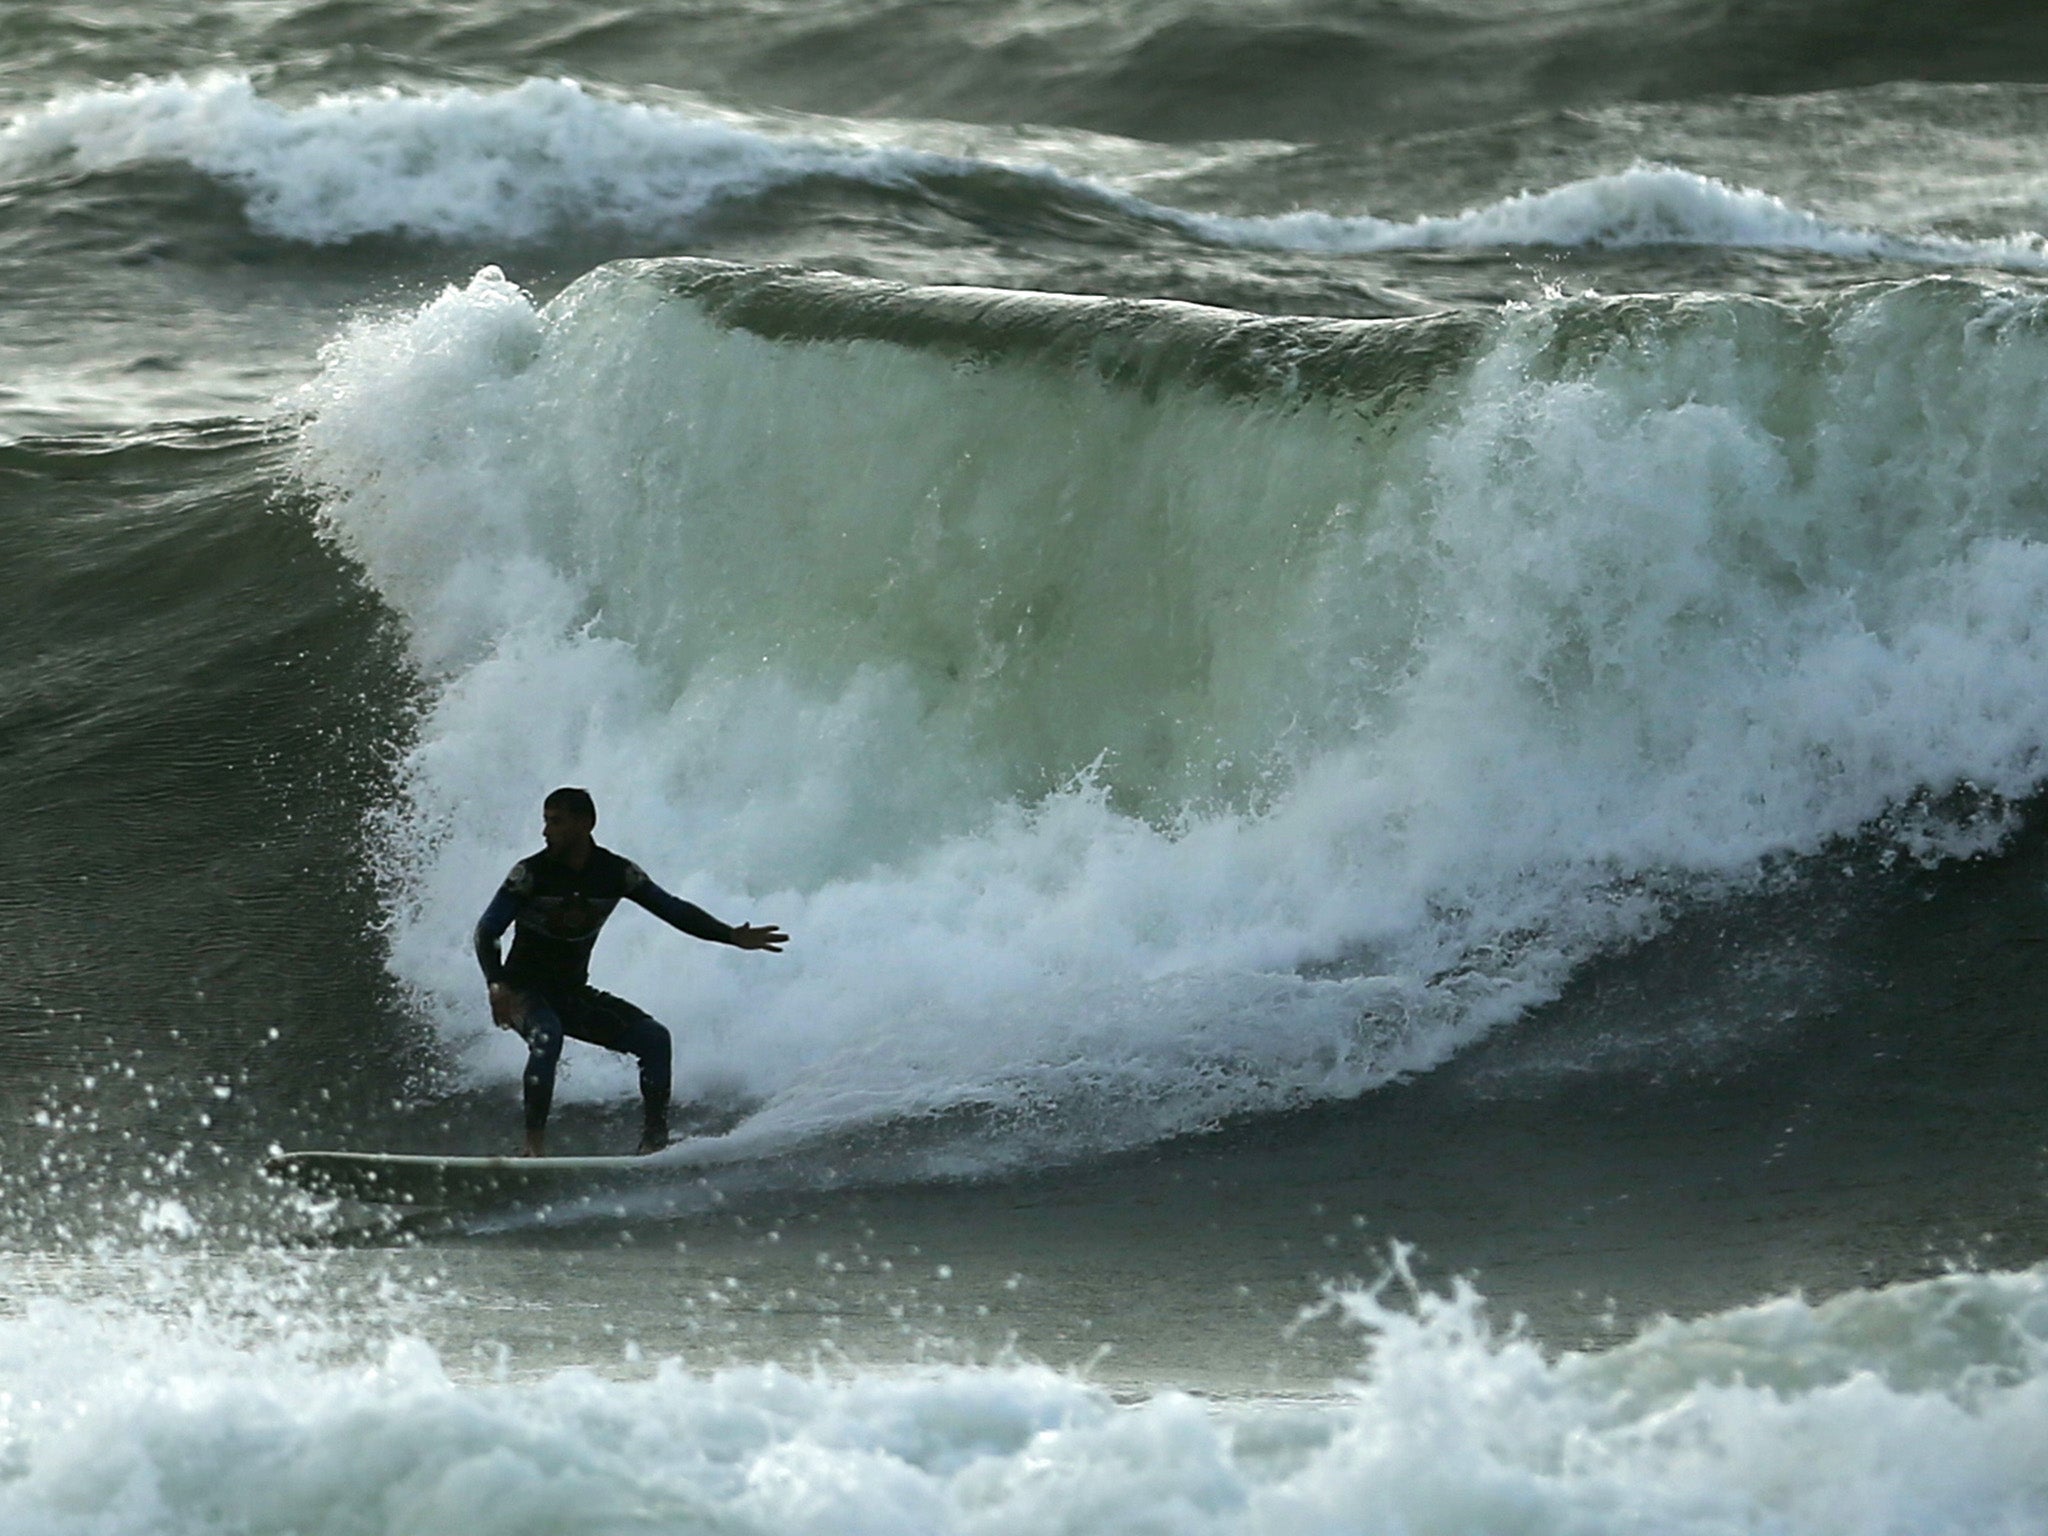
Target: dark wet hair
x=576 y=801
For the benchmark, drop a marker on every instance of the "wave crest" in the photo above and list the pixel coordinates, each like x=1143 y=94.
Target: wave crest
x=550 y=160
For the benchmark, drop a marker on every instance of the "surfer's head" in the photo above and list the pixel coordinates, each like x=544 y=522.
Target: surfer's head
x=567 y=818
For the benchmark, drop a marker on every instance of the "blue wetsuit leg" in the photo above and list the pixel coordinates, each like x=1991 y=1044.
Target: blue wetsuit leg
x=601 y=1019
x=617 y=1025
x=542 y=1027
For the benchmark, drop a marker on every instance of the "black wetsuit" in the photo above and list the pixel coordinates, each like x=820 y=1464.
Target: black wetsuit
x=556 y=913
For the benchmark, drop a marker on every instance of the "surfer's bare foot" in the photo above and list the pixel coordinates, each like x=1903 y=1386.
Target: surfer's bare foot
x=651 y=1141
x=535 y=1145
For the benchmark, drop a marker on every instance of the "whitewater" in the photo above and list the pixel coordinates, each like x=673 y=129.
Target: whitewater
x=1933 y=1394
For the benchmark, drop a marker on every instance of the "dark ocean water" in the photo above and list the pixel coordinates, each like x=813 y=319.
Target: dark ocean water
x=1386 y=657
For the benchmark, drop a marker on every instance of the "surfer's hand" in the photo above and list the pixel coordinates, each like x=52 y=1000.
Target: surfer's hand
x=508 y=1007
x=766 y=936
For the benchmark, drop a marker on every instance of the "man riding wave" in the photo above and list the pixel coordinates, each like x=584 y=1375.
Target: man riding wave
x=556 y=902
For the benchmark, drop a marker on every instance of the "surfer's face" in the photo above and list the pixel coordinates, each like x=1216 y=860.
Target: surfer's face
x=564 y=831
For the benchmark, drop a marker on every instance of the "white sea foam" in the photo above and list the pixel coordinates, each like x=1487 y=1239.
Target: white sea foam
x=1125 y=759
x=1644 y=205
x=543 y=158
x=549 y=158
x=1918 y=1411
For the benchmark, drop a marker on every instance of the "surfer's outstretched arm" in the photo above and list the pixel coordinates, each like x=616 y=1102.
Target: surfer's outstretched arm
x=695 y=921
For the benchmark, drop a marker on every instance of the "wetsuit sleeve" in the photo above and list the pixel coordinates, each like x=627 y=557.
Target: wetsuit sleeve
x=675 y=911
x=497 y=918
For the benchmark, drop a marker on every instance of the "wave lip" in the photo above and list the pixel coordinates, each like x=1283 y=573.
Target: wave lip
x=548 y=160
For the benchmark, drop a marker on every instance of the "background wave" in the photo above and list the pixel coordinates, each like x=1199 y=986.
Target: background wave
x=550 y=161
x=1161 y=70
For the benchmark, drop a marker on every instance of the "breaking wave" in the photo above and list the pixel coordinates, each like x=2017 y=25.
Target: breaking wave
x=551 y=160
x=1144 y=714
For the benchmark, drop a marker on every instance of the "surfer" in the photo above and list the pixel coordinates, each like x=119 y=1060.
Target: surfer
x=559 y=899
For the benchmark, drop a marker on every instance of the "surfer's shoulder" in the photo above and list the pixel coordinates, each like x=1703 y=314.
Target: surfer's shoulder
x=628 y=875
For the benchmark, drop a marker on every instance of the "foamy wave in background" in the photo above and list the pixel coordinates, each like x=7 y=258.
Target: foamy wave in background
x=544 y=159
x=549 y=159
x=1642 y=206
x=1910 y=1412
x=1126 y=758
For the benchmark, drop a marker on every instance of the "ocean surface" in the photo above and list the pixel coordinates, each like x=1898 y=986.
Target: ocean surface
x=1389 y=658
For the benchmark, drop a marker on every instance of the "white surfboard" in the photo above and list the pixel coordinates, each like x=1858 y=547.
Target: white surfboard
x=406 y=1178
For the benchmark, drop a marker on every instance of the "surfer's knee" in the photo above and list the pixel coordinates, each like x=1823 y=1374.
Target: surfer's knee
x=651 y=1043
x=543 y=1041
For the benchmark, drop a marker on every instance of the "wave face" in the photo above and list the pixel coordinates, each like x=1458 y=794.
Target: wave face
x=1143 y=714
